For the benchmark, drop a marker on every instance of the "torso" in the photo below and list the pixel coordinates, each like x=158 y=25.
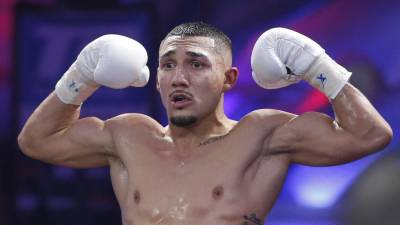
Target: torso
x=218 y=183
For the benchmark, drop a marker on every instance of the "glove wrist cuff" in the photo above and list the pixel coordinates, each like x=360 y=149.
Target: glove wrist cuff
x=327 y=76
x=74 y=88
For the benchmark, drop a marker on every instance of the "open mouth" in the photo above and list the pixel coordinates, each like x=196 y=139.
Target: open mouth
x=180 y=99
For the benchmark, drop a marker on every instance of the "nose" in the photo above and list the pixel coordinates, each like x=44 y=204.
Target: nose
x=180 y=78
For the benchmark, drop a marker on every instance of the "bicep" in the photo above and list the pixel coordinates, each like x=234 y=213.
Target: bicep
x=316 y=139
x=84 y=144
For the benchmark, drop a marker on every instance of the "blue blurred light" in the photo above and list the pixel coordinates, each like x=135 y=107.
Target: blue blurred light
x=321 y=187
x=26 y=202
x=319 y=193
x=302 y=222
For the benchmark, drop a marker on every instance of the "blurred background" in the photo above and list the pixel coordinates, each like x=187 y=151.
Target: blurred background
x=39 y=39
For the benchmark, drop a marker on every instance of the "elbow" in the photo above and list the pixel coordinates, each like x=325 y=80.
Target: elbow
x=23 y=143
x=379 y=138
x=26 y=144
x=386 y=136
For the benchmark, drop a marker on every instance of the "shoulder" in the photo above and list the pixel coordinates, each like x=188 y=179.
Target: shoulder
x=132 y=122
x=268 y=117
x=262 y=123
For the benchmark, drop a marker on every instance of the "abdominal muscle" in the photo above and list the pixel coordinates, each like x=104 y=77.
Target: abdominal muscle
x=182 y=211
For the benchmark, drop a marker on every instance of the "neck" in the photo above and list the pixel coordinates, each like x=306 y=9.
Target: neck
x=215 y=124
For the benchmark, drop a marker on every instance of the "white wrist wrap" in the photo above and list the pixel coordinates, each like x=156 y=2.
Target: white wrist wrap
x=73 y=87
x=328 y=76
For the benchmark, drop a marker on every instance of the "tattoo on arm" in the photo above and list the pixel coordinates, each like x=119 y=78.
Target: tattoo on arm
x=252 y=217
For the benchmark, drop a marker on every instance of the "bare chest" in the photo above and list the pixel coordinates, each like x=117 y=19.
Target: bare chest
x=204 y=179
x=218 y=182
x=217 y=186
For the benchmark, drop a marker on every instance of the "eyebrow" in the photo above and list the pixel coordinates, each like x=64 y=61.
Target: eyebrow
x=167 y=54
x=189 y=53
x=195 y=54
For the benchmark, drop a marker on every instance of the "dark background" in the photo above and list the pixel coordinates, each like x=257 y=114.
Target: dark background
x=39 y=39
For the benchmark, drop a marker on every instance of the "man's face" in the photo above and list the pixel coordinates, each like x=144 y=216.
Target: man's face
x=190 y=77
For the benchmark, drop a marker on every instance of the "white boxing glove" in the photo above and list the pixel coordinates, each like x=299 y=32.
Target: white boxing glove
x=111 y=60
x=282 y=57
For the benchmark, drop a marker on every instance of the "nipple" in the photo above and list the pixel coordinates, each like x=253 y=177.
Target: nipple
x=136 y=196
x=218 y=192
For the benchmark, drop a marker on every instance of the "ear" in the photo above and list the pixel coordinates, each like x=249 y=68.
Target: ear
x=231 y=76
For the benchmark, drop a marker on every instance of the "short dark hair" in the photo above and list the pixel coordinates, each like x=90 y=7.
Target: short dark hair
x=201 y=29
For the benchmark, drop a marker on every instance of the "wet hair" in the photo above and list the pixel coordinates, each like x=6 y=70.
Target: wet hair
x=200 y=29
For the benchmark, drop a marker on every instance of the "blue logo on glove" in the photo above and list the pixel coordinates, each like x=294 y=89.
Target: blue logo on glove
x=322 y=79
x=72 y=85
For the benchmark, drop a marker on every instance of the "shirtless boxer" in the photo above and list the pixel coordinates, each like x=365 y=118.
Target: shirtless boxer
x=203 y=168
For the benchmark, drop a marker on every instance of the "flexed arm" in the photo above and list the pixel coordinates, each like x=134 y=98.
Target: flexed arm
x=54 y=133
x=282 y=57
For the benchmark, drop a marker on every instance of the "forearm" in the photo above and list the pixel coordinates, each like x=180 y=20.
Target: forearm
x=52 y=116
x=356 y=115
